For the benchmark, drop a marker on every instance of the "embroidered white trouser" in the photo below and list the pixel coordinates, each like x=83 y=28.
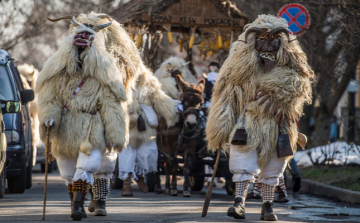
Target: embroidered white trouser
x=83 y=167
x=140 y=160
x=244 y=166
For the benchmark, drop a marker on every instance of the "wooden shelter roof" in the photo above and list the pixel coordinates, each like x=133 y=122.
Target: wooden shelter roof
x=183 y=12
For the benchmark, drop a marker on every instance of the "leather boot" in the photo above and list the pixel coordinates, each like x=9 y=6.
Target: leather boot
x=142 y=185
x=253 y=195
x=100 y=208
x=77 y=210
x=91 y=205
x=282 y=196
x=238 y=210
x=127 y=192
x=267 y=212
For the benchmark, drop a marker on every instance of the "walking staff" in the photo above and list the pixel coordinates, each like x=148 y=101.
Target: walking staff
x=208 y=193
x=47 y=153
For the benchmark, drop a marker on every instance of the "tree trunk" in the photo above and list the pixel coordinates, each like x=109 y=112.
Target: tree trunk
x=321 y=135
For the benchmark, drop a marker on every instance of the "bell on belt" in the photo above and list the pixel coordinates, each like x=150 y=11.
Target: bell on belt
x=240 y=137
x=86 y=146
x=284 y=147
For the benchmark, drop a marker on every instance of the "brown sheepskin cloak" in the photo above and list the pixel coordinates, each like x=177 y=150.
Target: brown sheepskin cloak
x=289 y=84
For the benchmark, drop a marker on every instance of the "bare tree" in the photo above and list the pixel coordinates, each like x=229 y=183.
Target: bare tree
x=29 y=36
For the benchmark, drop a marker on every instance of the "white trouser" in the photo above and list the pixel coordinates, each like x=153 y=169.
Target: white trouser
x=244 y=166
x=83 y=167
x=145 y=157
x=107 y=166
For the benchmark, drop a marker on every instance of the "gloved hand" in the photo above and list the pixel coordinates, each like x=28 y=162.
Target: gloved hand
x=49 y=122
x=178 y=107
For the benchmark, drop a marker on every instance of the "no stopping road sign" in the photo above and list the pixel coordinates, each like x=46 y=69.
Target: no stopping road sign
x=297 y=16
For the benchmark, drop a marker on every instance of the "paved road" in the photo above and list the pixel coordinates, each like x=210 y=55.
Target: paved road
x=151 y=207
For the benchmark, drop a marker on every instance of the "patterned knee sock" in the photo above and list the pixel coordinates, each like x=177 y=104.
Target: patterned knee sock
x=100 y=189
x=268 y=192
x=80 y=186
x=241 y=188
x=257 y=186
x=281 y=188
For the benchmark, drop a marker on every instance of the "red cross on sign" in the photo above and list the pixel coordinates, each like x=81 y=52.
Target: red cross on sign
x=297 y=16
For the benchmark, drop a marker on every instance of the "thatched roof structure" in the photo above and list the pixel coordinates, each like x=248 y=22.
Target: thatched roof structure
x=210 y=25
x=132 y=12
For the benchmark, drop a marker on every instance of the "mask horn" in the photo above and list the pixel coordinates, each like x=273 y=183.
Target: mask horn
x=74 y=22
x=99 y=27
x=250 y=30
x=58 y=19
x=282 y=30
x=105 y=16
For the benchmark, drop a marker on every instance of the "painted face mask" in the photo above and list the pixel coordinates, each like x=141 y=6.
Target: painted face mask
x=267 y=44
x=85 y=37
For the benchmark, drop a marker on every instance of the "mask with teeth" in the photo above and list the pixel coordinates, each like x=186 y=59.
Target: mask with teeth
x=267 y=44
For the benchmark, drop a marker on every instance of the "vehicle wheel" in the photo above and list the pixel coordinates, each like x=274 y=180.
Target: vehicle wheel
x=197 y=182
x=151 y=181
x=2 y=183
x=29 y=173
x=115 y=181
x=18 y=184
x=229 y=186
x=51 y=167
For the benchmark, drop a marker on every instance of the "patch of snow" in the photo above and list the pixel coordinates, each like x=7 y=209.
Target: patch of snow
x=338 y=153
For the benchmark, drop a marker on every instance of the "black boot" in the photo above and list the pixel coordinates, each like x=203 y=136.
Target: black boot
x=77 y=210
x=91 y=207
x=100 y=208
x=238 y=210
x=267 y=212
x=72 y=205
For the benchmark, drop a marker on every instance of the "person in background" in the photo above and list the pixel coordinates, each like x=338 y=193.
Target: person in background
x=210 y=80
x=212 y=76
x=333 y=129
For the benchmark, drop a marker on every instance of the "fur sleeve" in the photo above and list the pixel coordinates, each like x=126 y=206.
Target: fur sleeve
x=289 y=90
x=49 y=107
x=163 y=104
x=115 y=123
x=222 y=114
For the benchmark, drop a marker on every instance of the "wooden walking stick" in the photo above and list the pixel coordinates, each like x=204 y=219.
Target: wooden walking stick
x=208 y=193
x=47 y=152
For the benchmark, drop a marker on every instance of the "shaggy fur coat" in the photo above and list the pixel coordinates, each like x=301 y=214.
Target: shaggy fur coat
x=109 y=65
x=148 y=91
x=168 y=83
x=29 y=75
x=289 y=83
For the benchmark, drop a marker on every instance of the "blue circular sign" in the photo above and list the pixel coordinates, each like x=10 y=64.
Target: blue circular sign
x=297 y=16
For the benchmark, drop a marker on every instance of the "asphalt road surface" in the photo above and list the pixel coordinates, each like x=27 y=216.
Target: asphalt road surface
x=151 y=207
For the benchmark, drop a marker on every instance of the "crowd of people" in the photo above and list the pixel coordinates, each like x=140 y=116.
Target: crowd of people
x=96 y=89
